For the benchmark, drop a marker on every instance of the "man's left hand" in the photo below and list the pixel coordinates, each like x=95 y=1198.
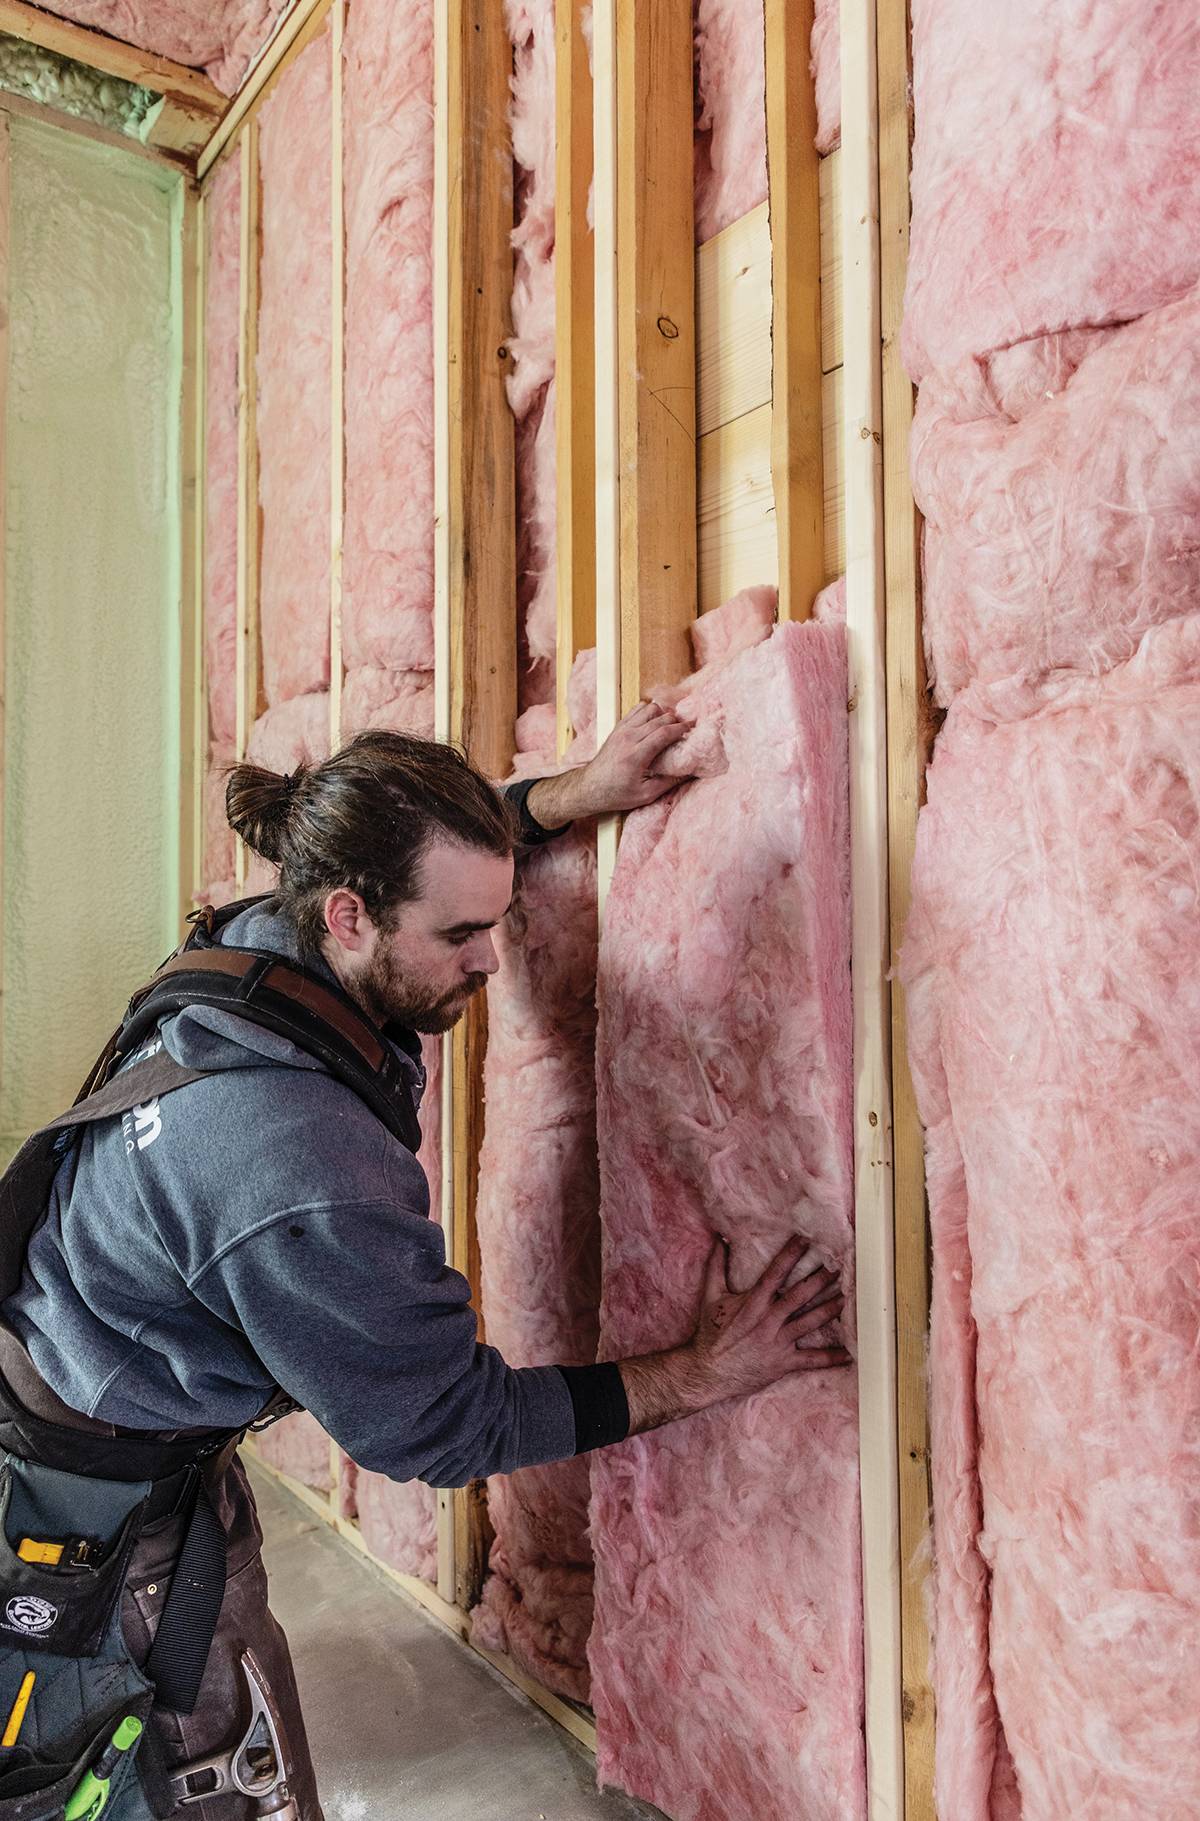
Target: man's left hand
x=622 y=775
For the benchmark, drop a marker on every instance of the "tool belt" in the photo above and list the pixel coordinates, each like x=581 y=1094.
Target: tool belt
x=92 y=1487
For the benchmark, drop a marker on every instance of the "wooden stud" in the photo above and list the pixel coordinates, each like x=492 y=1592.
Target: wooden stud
x=297 y=27
x=863 y=431
x=337 y=373
x=475 y=549
x=193 y=731
x=608 y=450
x=191 y=105
x=575 y=401
x=22 y=109
x=248 y=511
x=830 y=179
x=795 y=202
x=656 y=341
x=909 y=741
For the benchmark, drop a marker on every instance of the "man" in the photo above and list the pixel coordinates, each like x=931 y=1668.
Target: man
x=260 y=1227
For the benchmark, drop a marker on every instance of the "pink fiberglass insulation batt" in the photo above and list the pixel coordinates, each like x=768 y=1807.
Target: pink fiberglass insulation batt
x=731 y=143
x=539 y=1236
x=530 y=25
x=538 y=1218
x=398 y=700
x=218 y=836
x=219 y=36
x=222 y=332
x=1053 y=973
x=387 y=610
x=726 y=1657
x=1026 y=220
x=300 y=1447
x=827 y=72
x=1060 y=482
x=294 y=340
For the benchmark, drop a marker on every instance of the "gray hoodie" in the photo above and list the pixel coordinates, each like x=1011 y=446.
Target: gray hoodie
x=259 y=1227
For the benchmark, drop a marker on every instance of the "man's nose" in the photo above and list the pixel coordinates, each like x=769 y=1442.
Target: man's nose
x=483 y=957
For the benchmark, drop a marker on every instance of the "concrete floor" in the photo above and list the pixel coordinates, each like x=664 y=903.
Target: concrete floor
x=405 y=1723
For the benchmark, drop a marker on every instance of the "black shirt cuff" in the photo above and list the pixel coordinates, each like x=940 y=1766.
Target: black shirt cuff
x=600 y=1405
x=532 y=832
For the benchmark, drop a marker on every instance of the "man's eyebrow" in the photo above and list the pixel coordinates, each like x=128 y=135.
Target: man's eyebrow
x=469 y=929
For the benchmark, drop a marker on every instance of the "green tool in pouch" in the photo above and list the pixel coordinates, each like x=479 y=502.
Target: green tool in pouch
x=91 y=1797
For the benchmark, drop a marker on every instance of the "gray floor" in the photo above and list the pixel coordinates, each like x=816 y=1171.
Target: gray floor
x=405 y=1723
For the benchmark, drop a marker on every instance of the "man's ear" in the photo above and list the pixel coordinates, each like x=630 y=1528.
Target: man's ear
x=348 y=920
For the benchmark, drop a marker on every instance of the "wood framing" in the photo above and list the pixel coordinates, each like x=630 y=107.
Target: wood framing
x=248 y=512
x=337 y=371
x=796 y=452
x=575 y=398
x=608 y=447
x=296 y=29
x=909 y=742
x=733 y=321
x=475 y=553
x=191 y=105
x=656 y=340
x=193 y=730
x=862 y=424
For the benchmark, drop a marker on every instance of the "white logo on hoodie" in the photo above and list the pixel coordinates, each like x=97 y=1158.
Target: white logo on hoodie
x=142 y=1124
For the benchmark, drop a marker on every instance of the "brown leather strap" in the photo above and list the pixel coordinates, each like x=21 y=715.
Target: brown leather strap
x=280 y=978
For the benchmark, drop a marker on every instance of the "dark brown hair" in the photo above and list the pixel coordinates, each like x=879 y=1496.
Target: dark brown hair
x=362 y=821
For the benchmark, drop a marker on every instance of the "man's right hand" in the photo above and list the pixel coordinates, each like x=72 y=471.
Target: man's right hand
x=744 y=1341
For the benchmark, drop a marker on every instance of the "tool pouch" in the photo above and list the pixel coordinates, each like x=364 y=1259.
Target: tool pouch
x=64 y=1624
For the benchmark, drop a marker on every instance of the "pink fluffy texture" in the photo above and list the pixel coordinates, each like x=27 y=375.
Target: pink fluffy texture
x=827 y=72
x=295 y=733
x=294 y=425
x=219 y=36
x=300 y=1447
x=218 y=836
x=387 y=615
x=1055 y=167
x=1055 y=1004
x=717 y=637
x=1061 y=487
x=727 y=1651
x=530 y=25
x=731 y=149
x=222 y=330
x=539 y=1236
x=400 y=700
x=398 y=1523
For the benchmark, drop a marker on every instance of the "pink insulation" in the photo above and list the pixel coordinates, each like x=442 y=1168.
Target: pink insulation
x=731 y=144
x=398 y=1523
x=1055 y=166
x=222 y=37
x=539 y=1236
x=1054 y=990
x=387 y=612
x=222 y=335
x=295 y=733
x=538 y=1219
x=294 y=340
x=530 y=25
x=726 y=1657
x=399 y=700
x=1060 y=481
x=299 y=1447
x=218 y=836
x=827 y=71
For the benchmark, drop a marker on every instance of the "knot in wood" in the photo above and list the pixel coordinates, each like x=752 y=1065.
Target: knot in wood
x=668 y=328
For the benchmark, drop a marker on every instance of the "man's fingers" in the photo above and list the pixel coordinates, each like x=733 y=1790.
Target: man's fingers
x=780 y=1268
x=655 y=738
x=816 y=1286
x=716 y=1273
x=816 y=1316
x=819 y=1359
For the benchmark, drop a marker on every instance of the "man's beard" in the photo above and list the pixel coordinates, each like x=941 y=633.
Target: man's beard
x=391 y=997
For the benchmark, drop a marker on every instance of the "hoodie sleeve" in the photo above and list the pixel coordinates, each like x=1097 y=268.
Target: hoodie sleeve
x=355 y=1312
